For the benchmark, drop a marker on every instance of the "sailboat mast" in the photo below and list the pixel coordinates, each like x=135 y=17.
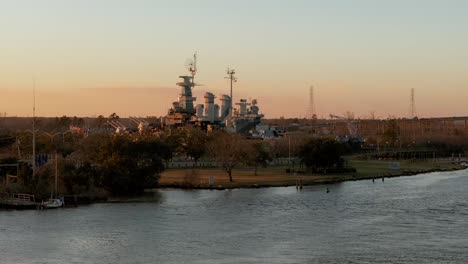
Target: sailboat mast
x=56 y=174
x=34 y=131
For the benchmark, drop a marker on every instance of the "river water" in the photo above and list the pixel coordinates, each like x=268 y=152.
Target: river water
x=418 y=219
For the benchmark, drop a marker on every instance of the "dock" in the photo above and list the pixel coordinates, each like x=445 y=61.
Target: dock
x=17 y=201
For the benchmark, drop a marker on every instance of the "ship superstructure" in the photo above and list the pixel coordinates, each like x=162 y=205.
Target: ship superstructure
x=210 y=115
x=247 y=116
x=182 y=111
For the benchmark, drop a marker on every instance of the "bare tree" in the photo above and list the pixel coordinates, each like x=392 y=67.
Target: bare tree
x=259 y=154
x=227 y=150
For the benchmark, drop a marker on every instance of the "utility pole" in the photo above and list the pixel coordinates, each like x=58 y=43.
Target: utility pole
x=232 y=78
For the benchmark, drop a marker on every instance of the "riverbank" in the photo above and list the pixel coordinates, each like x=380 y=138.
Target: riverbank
x=276 y=176
x=273 y=176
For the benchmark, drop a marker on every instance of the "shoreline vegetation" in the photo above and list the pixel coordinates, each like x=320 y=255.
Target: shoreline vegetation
x=276 y=176
x=272 y=176
x=121 y=167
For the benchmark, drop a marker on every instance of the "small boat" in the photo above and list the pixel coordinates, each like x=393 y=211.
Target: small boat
x=52 y=203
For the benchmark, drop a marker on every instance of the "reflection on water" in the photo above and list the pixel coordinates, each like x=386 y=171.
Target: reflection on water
x=420 y=219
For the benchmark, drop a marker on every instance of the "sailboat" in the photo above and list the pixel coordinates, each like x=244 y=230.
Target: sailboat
x=53 y=203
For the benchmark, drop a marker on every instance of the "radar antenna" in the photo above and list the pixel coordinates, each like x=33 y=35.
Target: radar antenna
x=191 y=65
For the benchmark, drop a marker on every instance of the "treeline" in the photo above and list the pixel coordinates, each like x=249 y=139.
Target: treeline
x=103 y=163
x=100 y=164
x=63 y=123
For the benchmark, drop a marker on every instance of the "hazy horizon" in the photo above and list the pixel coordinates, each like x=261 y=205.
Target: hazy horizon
x=98 y=57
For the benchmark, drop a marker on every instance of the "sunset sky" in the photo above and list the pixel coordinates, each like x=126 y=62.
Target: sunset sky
x=92 y=57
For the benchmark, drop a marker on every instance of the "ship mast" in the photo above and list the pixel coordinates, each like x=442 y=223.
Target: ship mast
x=193 y=68
x=232 y=78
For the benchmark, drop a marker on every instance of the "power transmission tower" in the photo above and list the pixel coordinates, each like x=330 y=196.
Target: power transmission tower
x=311 y=113
x=413 y=113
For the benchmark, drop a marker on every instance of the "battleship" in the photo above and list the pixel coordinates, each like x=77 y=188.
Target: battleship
x=210 y=115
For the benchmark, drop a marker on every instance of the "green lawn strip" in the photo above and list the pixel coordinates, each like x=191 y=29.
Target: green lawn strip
x=277 y=176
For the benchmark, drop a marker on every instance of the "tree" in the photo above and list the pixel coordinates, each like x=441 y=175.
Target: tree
x=280 y=148
x=227 y=150
x=77 y=121
x=173 y=142
x=114 y=116
x=6 y=140
x=195 y=144
x=93 y=149
x=62 y=122
x=445 y=149
x=124 y=166
x=322 y=154
x=100 y=121
x=259 y=155
x=392 y=131
x=79 y=179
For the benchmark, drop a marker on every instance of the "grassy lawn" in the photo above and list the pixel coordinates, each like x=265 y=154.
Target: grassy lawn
x=277 y=176
x=376 y=168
